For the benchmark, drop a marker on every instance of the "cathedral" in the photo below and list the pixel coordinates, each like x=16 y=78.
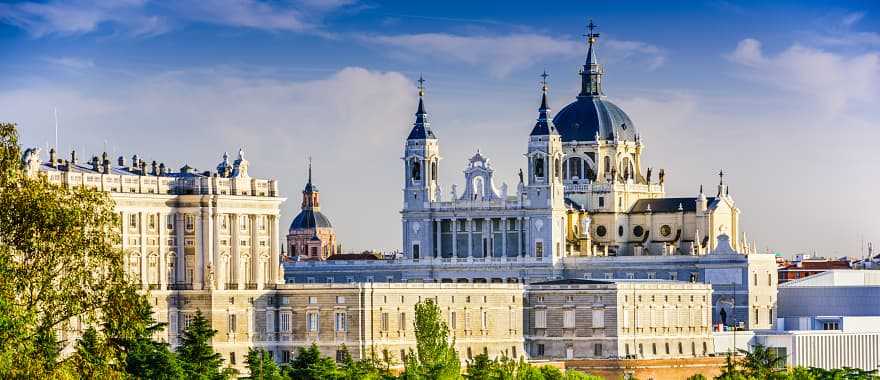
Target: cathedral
x=585 y=192
x=311 y=236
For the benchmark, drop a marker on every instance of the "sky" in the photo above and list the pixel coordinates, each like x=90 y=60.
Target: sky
x=783 y=96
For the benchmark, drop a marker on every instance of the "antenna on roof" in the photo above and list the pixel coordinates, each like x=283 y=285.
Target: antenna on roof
x=56 y=128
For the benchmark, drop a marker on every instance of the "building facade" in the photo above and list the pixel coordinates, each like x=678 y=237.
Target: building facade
x=620 y=319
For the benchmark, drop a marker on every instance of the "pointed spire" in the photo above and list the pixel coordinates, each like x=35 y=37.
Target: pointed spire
x=309 y=186
x=544 y=126
x=422 y=127
x=591 y=74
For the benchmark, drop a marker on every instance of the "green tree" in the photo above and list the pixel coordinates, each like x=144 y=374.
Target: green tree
x=261 y=365
x=59 y=260
x=731 y=370
x=309 y=364
x=435 y=356
x=91 y=359
x=197 y=357
x=698 y=376
x=480 y=368
x=762 y=362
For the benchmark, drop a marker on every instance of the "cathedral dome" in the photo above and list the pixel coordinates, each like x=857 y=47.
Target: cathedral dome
x=589 y=116
x=310 y=219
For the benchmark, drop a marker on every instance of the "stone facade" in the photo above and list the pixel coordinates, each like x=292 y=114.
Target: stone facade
x=591 y=319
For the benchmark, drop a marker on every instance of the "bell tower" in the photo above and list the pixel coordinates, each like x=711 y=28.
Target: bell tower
x=421 y=158
x=545 y=188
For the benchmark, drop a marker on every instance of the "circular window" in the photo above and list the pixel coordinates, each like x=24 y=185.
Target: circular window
x=665 y=230
x=638 y=231
x=601 y=231
x=620 y=231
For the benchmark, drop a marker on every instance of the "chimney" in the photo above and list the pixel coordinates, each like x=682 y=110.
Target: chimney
x=143 y=167
x=94 y=163
x=162 y=169
x=52 y=157
x=121 y=161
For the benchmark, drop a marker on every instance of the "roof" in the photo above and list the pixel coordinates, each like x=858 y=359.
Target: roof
x=310 y=219
x=422 y=127
x=544 y=127
x=688 y=204
x=573 y=205
x=590 y=115
x=354 y=256
x=837 y=277
x=573 y=281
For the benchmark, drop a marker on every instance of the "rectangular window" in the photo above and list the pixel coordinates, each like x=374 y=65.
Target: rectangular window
x=599 y=319
x=232 y=358
x=539 y=249
x=285 y=322
x=190 y=222
x=540 y=350
x=383 y=322
x=270 y=321
x=601 y=201
x=152 y=221
x=452 y=320
x=401 y=323
x=340 y=355
x=597 y=349
x=312 y=322
x=484 y=320
x=243 y=222
x=232 y=323
x=169 y=221
x=340 y=322
x=568 y=321
x=313 y=300
x=285 y=356
x=340 y=299
x=541 y=319
x=132 y=220
x=416 y=251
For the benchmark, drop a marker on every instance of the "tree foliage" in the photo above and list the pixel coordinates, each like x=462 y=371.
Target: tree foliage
x=261 y=365
x=197 y=356
x=61 y=268
x=762 y=363
x=435 y=356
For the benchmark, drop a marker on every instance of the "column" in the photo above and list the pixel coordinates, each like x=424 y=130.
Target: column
x=469 y=226
x=126 y=259
x=163 y=259
x=236 y=251
x=527 y=234
x=179 y=265
x=256 y=255
x=275 y=253
x=142 y=228
x=503 y=226
x=198 y=279
x=439 y=251
x=215 y=247
x=454 y=225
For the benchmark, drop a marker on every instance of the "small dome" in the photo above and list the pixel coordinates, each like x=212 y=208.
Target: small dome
x=589 y=115
x=309 y=219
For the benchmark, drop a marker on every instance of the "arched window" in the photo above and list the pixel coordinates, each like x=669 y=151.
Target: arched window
x=416 y=170
x=575 y=168
x=607 y=164
x=539 y=167
x=433 y=170
x=558 y=168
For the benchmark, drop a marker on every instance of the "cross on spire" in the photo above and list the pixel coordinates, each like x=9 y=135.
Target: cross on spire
x=310 y=170
x=721 y=177
x=421 y=85
x=591 y=35
x=544 y=80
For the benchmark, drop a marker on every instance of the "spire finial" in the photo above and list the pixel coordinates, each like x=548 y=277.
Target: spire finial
x=421 y=85
x=310 y=170
x=591 y=35
x=721 y=177
x=544 y=80
x=544 y=107
x=591 y=73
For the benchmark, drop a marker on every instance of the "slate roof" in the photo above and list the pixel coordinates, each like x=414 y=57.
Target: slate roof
x=588 y=115
x=310 y=219
x=421 y=128
x=688 y=204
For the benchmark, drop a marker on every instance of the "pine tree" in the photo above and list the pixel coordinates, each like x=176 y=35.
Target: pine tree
x=197 y=357
x=261 y=365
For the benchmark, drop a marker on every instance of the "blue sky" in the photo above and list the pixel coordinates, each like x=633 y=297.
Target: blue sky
x=783 y=96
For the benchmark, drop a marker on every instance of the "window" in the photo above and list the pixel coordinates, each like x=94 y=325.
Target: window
x=232 y=358
x=285 y=356
x=340 y=355
x=340 y=299
x=756 y=279
x=231 y=323
x=539 y=249
x=769 y=278
x=415 y=251
x=243 y=222
x=540 y=350
x=284 y=322
x=152 y=221
x=169 y=221
x=484 y=320
x=312 y=322
x=601 y=201
x=340 y=322
x=541 y=319
x=401 y=322
x=830 y=325
x=383 y=322
x=132 y=220
x=680 y=348
x=513 y=351
x=597 y=349
x=599 y=318
x=190 y=222
x=313 y=300
x=452 y=321
x=568 y=317
x=539 y=167
x=416 y=168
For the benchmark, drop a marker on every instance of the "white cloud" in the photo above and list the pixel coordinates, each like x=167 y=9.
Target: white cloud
x=352 y=122
x=833 y=81
x=503 y=55
x=73 y=63
x=143 y=18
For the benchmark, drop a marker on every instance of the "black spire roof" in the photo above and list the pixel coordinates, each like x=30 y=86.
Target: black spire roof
x=544 y=126
x=422 y=127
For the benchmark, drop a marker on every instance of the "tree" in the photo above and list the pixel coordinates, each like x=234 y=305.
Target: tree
x=698 y=376
x=198 y=359
x=435 y=356
x=761 y=362
x=59 y=261
x=261 y=365
x=309 y=364
x=91 y=359
x=480 y=368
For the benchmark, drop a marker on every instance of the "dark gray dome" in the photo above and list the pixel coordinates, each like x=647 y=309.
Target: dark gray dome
x=310 y=219
x=588 y=115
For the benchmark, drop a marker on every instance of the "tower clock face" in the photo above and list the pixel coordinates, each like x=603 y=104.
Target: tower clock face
x=601 y=231
x=665 y=230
